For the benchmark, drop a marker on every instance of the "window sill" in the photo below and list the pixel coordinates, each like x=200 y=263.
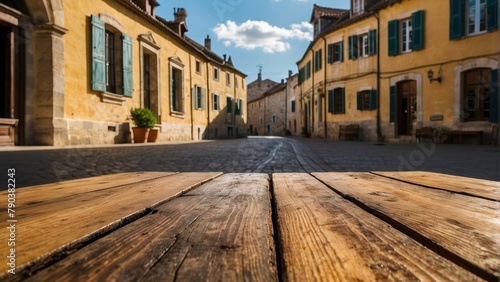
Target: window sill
x=177 y=114
x=111 y=98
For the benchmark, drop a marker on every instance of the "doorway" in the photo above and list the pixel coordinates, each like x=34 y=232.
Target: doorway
x=11 y=100
x=407 y=106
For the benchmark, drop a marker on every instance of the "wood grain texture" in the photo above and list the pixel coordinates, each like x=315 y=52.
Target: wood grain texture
x=54 y=192
x=220 y=231
x=54 y=227
x=324 y=237
x=462 y=228
x=486 y=189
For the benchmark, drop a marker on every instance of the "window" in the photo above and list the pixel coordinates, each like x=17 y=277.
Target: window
x=336 y=101
x=357 y=6
x=198 y=67
x=476 y=12
x=111 y=59
x=110 y=62
x=366 y=100
x=293 y=106
x=215 y=102
x=228 y=79
x=199 y=97
x=362 y=45
x=216 y=74
x=317 y=60
x=335 y=52
x=274 y=118
x=176 y=87
x=406 y=35
x=476 y=98
x=239 y=107
x=472 y=17
x=229 y=104
x=243 y=83
x=305 y=72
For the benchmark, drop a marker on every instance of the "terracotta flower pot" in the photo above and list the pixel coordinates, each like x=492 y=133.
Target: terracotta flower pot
x=140 y=134
x=153 y=135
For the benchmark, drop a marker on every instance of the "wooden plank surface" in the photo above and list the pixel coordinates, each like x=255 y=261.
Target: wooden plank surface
x=462 y=228
x=43 y=230
x=327 y=238
x=54 y=192
x=220 y=231
x=469 y=186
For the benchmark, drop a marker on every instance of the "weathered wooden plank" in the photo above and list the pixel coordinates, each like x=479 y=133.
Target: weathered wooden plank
x=462 y=228
x=55 y=192
x=46 y=230
x=201 y=236
x=486 y=189
x=324 y=237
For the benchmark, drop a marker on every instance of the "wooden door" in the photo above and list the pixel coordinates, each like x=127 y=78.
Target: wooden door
x=407 y=106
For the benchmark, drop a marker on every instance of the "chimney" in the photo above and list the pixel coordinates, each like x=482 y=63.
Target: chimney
x=282 y=81
x=225 y=56
x=259 y=77
x=180 y=15
x=290 y=73
x=208 y=43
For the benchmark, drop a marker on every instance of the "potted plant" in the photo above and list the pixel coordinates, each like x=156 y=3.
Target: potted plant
x=144 y=120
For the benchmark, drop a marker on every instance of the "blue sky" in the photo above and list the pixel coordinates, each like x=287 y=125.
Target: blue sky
x=271 y=33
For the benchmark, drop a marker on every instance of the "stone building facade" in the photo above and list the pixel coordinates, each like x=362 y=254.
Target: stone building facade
x=395 y=66
x=267 y=114
x=74 y=69
x=258 y=87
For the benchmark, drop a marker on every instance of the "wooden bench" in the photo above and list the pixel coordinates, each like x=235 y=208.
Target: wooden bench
x=452 y=134
x=349 y=131
x=243 y=226
x=424 y=133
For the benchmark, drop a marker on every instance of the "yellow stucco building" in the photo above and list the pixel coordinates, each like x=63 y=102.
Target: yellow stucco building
x=78 y=67
x=393 y=67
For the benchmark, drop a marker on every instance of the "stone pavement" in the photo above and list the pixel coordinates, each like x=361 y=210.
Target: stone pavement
x=40 y=165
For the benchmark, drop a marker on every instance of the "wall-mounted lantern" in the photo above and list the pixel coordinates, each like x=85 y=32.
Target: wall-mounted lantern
x=430 y=75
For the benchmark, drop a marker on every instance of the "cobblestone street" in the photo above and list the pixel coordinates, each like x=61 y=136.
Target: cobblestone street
x=38 y=165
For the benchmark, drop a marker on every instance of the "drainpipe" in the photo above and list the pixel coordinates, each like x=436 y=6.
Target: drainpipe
x=324 y=88
x=379 y=131
x=207 y=98
x=313 y=65
x=192 y=97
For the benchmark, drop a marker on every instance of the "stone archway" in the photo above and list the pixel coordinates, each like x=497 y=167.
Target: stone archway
x=45 y=100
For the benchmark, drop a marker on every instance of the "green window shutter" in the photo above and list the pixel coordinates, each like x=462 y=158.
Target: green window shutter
x=341 y=51
x=128 y=85
x=330 y=54
x=373 y=99
x=418 y=35
x=359 y=100
x=494 y=96
x=330 y=101
x=319 y=59
x=202 y=98
x=372 y=42
x=229 y=105
x=195 y=97
x=393 y=38
x=392 y=104
x=492 y=14
x=353 y=47
x=308 y=70
x=98 y=54
x=343 y=102
x=457 y=19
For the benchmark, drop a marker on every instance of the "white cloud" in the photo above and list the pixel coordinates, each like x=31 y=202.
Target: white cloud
x=253 y=35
